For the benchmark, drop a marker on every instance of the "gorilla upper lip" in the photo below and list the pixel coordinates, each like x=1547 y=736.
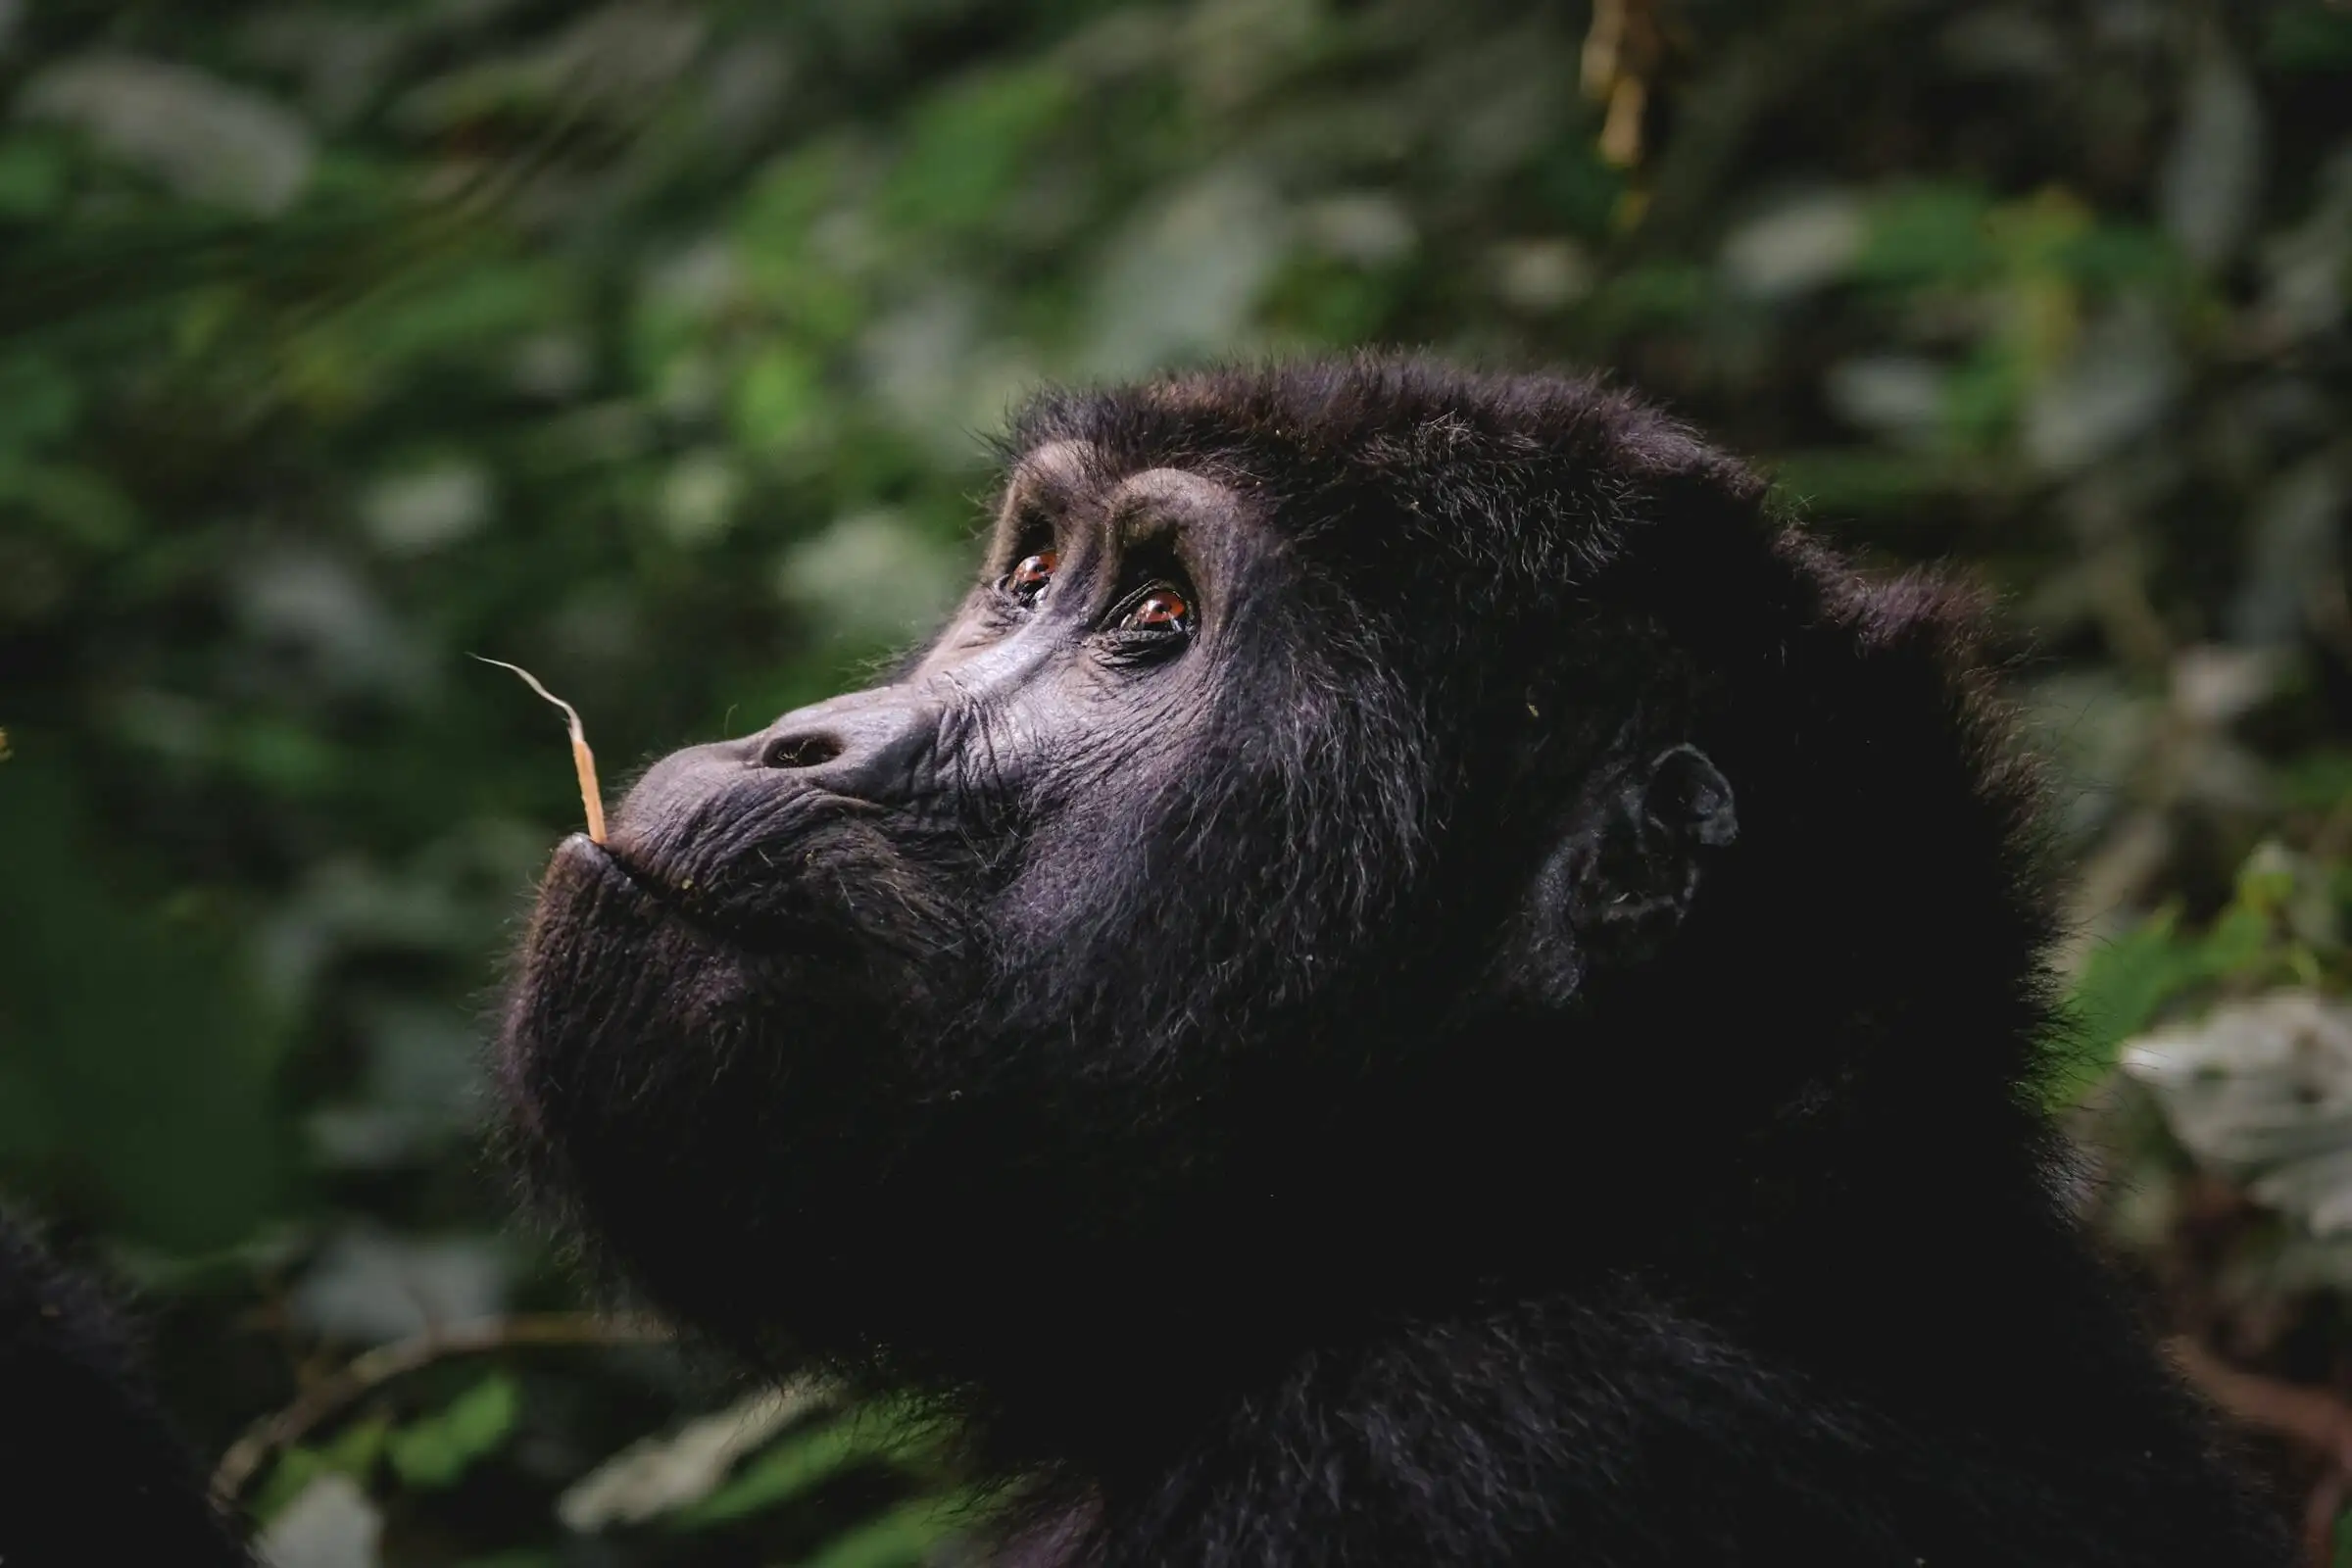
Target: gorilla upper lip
x=769 y=930
x=621 y=875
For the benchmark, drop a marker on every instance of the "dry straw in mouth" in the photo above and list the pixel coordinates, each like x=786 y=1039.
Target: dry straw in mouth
x=583 y=761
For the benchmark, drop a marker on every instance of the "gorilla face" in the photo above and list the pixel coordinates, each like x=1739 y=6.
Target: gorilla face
x=968 y=963
x=1308 y=831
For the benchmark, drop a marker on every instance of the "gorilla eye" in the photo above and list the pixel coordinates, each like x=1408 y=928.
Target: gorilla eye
x=1160 y=610
x=1028 y=581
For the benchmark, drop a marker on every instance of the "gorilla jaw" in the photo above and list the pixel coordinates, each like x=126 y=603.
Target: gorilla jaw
x=644 y=1086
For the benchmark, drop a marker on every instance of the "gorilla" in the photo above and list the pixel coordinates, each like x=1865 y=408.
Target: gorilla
x=91 y=1471
x=1413 y=978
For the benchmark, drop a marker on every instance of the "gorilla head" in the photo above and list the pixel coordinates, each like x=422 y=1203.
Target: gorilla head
x=1375 y=845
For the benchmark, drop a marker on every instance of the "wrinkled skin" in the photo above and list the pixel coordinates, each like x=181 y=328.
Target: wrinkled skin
x=1408 y=975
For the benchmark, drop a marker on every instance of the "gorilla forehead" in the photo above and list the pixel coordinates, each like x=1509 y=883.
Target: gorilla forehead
x=1534 y=474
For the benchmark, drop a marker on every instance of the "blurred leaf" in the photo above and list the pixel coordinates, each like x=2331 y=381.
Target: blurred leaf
x=1329 y=302
x=2211 y=181
x=2127 y=982
x=968 y=147
x=76 y=504
x=1184 y=276
x=437 y=1449
x=1796 y=246
x=211 y=139
x=2261 y=1090
x=352 y=1453
x=1927 y=234
x=800 y=1464
x=2122 y=984
x=39 y=402
x=2318 y=780
x=662 y=1474
x=778 y=400
x=32 y=178
x=372 y=1285
x=137 y=1068
x=870 y=577
x=785 y=1472
x=330 y=1525
x=2310 y=35
x=2118 y=382
x=448 y=312
x=771 y=231
x=1653 y=295
x=908 y=1534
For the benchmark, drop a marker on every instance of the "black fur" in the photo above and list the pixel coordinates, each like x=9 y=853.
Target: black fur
x=1514 y=1041
x=90 y=1471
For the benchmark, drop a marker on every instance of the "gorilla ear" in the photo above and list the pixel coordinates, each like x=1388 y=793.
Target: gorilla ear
x=1619 y=884
x=1639 y=882
x=1688 y=796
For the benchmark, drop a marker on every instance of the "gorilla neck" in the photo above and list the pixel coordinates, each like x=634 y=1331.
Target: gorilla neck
x=1588 y=1164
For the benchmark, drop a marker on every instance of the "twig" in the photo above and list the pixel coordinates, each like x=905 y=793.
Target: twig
x=371 y=1370
x=2319 y=1513
x=1621 y=52
x=2311 y=1418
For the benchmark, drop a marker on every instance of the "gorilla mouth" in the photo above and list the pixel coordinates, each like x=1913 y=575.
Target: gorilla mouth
x=583 y=873
x=604 y=924
x=581 y=856
x=582 y=863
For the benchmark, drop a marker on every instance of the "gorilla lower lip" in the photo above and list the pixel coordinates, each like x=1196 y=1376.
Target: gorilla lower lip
x=591 y=857
x=586 y=861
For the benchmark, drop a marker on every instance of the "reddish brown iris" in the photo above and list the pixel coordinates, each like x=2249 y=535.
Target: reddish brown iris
x=1027 y=581
x=1160 y=609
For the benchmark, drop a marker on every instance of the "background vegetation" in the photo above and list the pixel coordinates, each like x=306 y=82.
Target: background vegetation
x=645 y=343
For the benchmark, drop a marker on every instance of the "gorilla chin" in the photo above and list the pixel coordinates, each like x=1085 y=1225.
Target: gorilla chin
x=675 y=1056
x=630 y=1019
x=1414 y=976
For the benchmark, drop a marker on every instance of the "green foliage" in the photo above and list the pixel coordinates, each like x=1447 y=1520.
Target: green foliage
x=2310 y=36
x=138 y=1074
x=908 y=1534
x=968 y=148
x=2320 y=780
x=429 y=1453
x=647 y=345
x=2125 y=984
x=2122 y=986
x=1928 y=236
x=355 y=1453
x=803 y=1461
x=436 y=1450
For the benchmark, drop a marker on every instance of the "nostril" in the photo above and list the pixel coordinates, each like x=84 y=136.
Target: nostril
x=800 y=750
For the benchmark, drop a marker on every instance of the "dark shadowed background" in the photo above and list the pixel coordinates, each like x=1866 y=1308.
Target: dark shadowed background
x=649 y=345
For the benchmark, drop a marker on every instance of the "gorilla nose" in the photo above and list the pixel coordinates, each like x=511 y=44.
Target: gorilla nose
x=800 y=750
x=867 y=744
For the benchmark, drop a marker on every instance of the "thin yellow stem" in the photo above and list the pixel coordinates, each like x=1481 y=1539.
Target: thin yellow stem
x=583 y=761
